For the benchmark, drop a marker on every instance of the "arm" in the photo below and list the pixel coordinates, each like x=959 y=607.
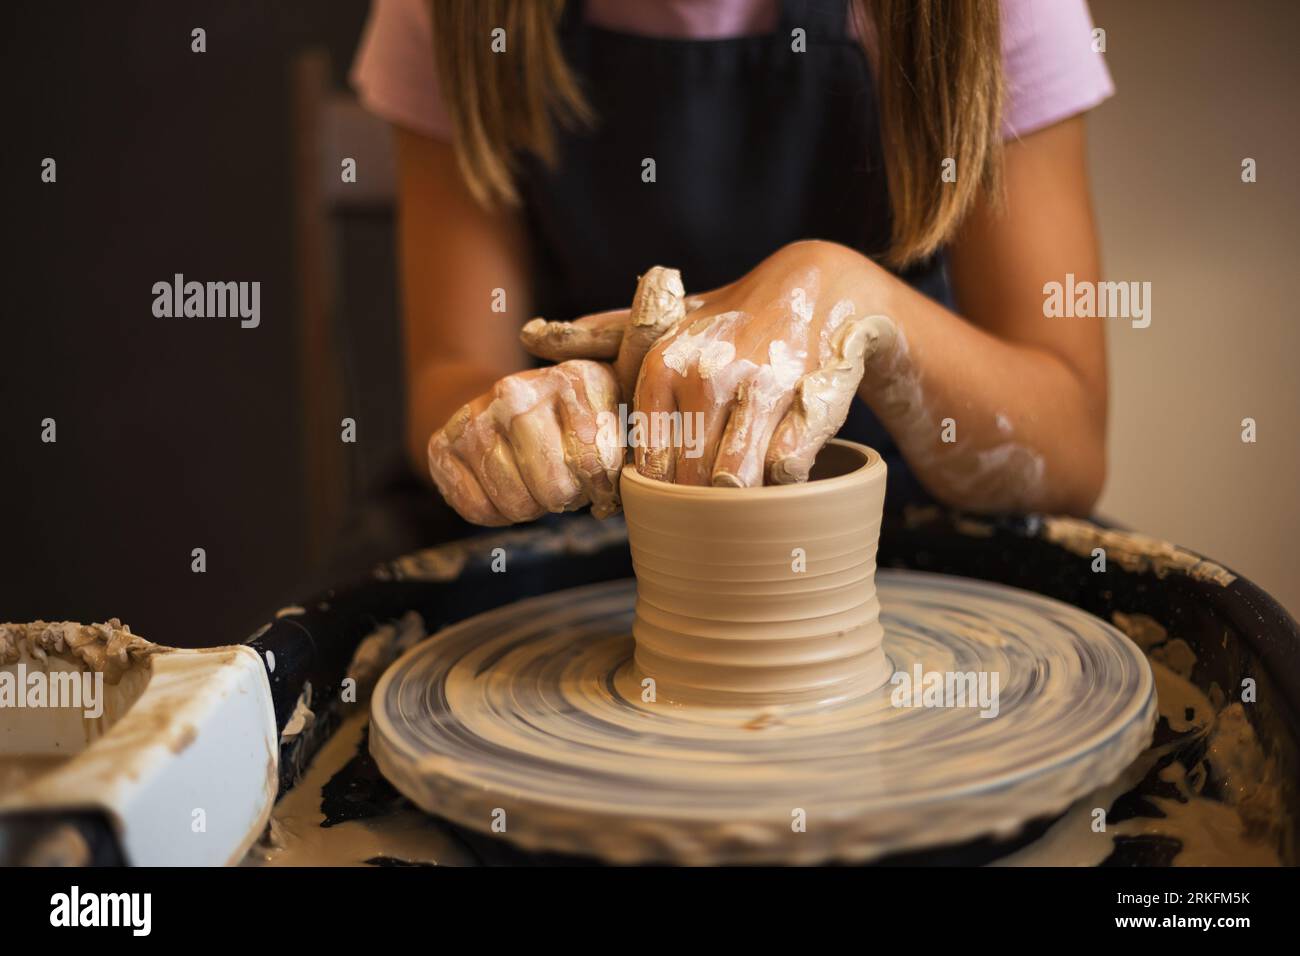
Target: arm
x=770 y=362
x=500 y=444
x=1027 y=393
x=453 y=254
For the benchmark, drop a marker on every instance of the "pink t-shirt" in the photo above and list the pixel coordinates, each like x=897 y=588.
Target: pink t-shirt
x=1051 y=70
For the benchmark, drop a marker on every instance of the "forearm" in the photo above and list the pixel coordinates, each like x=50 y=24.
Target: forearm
x=465 y=290
x=986 y=424
x=435 y=391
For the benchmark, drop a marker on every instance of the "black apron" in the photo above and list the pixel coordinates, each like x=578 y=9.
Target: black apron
x=754 y=146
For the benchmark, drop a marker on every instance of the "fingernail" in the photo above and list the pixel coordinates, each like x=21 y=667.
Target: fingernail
x=789 y=471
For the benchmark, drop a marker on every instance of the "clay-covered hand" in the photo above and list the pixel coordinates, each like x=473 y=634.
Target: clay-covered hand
x=622 y=336
x=533 y=444
x=767 y=366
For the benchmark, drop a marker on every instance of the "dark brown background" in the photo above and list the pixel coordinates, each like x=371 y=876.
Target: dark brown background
x=172 y=433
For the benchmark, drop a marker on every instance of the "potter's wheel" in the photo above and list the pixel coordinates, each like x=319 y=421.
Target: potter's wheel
x=531 y=717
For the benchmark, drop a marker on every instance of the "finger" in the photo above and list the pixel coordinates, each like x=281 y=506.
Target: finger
x=538 y=445
x=456 y=482
x=595 y=336
x=740 y=458
x=657 y=306
x=591 y=447
x=498 y=473
x=521 y=408
x=484 y=448
x=693 y=437
x=821 y=401
x=705 y=406
x=652 y=449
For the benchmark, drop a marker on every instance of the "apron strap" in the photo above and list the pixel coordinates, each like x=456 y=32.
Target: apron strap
x=828 y=19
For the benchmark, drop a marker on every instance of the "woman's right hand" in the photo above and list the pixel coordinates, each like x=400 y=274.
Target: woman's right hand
x=540 y=440
x=549 y=439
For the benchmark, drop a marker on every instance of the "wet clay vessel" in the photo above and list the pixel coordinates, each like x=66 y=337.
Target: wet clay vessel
x=757 y=596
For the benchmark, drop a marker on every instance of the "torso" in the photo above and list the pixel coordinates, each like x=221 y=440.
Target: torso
x=721 y=152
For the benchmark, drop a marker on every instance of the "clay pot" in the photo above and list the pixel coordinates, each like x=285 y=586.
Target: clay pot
x=760 y=596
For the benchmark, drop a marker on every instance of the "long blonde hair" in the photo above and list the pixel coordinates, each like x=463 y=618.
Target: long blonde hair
x=938 y=66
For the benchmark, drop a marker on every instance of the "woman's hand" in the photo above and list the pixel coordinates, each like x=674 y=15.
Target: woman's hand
x=547 y=439
x=767 y=368
x=767 y=365
x=538 y=441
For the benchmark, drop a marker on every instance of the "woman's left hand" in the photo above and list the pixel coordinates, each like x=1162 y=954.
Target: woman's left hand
x=768 y=365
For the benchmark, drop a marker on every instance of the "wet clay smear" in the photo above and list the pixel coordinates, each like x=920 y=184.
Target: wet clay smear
x=343 y=813
x=536 y=711
x=1204 y=794
x=108 y=648
x=17 y=770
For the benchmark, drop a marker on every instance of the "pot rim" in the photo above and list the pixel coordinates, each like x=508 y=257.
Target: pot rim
x=871 y=469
